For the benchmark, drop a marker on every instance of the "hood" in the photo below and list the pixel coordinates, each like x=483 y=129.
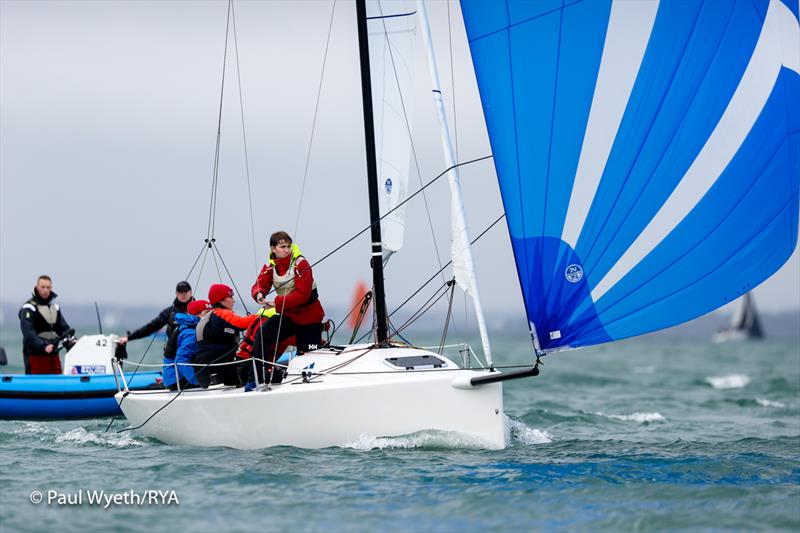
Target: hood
x=41 y=301
x=185 y=319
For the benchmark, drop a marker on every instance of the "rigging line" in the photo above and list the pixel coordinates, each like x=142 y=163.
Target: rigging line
x=455 y=140
x=445 y=266
x=410 y=139
x=244 y=139
x=449 y=317
x=200 y=270
x=230 y=277
x=314 y=121
x=430 y=302
x=418 y=191
x=212 y=211
x=131 y=428
x=398 y=206
x=214 y=257
x=205 y=246
x=435 y=297
x=152 y=339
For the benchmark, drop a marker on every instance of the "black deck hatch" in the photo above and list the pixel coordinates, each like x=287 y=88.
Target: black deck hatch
x=416 y=362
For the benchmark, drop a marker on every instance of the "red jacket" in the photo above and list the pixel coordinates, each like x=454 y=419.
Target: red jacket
x=294 y=305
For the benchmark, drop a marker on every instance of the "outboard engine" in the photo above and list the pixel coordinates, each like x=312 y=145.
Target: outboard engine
x=92 y=354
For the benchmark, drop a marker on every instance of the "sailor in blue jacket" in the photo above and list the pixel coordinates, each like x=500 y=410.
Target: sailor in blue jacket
x=183 y=344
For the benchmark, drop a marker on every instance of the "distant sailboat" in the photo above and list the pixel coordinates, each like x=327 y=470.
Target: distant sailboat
x=745 y=324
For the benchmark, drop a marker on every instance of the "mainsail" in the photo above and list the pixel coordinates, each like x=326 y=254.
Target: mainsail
x=392 y=36
x=647 y=154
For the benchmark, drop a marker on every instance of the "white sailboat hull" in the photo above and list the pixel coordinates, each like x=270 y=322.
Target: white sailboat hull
x=367 y=397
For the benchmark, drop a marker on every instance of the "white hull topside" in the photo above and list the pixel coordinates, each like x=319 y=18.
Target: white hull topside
x=366 y=396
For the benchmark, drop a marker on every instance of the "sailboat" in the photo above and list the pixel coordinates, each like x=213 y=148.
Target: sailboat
x=638 y=148
x=745 y=324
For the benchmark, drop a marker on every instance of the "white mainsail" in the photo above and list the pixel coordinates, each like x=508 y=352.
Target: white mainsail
x=392 y=35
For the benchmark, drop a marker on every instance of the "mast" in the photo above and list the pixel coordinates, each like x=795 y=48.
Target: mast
x=463 y=266
x=372 y=173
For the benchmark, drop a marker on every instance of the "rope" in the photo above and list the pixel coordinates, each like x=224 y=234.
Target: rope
x=398 y=206
x=212 y=210
x=152 y=338
x=445 y=266
x=216 y=249
x=244 y=140
x=314 y=121
x=449 y=315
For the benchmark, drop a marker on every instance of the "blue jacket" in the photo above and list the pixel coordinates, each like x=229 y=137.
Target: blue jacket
x=186 y=348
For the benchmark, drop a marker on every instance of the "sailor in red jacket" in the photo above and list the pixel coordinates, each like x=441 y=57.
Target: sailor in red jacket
x=296 y=301
x=218 y=338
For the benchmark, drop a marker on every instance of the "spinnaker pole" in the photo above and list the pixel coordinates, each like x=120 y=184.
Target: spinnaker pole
x=372 y=174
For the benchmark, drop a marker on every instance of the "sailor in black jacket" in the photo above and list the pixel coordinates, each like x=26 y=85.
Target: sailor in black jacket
x=42 y=326
x=183 y=295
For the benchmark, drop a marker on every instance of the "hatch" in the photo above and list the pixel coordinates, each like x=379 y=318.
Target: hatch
x=416 y=362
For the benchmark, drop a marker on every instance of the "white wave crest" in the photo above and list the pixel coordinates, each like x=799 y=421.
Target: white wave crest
x=517 y=431
x=731 y=381
x=769 y=403
x=422 y=439
x=78 y=435
x=642 y=418
x=81 y=436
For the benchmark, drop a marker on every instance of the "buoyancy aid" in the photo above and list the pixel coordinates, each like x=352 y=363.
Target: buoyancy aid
x=49 y=312
x=215 y=334
x=284 y=284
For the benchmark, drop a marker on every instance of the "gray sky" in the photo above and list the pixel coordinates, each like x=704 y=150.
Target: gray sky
x=108 y=116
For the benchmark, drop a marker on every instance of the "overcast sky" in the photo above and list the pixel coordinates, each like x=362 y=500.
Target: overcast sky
x=108 y=114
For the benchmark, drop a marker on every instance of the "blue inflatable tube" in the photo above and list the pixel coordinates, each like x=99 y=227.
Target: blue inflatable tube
x=66 y=396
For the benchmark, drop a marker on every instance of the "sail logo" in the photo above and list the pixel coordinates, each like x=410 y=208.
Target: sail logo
x=388 y=185
x=574 y=273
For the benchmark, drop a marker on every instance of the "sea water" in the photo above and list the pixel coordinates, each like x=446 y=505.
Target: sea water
x=638 y=435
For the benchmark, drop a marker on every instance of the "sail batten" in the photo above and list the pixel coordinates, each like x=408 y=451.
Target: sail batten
x=647 y=154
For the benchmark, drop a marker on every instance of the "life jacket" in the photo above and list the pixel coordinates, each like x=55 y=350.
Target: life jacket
x=49 y=312
x=285 y=284
x=215 y=334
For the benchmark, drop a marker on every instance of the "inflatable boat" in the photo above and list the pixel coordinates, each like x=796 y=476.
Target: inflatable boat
x=86 y=388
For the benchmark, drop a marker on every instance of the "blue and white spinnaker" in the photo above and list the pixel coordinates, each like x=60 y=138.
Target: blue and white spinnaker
x=647 y=153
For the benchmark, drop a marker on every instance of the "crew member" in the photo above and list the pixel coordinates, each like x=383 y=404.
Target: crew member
x=42 y=325
x=296 y=301
x=183 y=295
x=218 y=337
x=183 y=343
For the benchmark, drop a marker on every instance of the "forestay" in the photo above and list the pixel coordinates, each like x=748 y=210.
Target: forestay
x=392 y=35
x=647 y=154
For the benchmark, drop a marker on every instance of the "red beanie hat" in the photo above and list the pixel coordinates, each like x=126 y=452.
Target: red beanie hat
x=218 y=292
x=197 y=306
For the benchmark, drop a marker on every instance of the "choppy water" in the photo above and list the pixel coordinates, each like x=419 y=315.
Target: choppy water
x=633 y=436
